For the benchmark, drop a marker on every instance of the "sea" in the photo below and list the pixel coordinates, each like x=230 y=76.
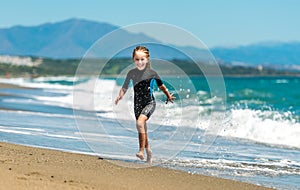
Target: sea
x=251 y=134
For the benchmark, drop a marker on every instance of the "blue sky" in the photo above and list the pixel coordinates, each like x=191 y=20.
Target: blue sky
x=215 y=22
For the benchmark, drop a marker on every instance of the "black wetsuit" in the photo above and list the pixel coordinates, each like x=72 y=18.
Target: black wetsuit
x=143 y=80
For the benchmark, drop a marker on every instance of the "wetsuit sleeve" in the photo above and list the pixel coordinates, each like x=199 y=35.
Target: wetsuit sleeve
x=127 y=80
x=158 y=80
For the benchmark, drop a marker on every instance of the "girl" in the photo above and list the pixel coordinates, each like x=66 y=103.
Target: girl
x=144 y=103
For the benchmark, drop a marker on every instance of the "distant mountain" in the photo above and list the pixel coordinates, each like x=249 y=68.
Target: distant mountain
x=273 y=54
x=72 y=38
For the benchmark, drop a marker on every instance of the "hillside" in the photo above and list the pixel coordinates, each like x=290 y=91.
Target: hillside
x=68 y=67
x=64 y=39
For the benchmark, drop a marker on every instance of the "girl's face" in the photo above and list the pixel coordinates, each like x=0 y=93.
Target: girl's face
x=140 y=60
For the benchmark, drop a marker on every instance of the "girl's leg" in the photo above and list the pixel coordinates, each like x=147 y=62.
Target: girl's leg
x=147 y=146
x=146 y=137
x=140 y=125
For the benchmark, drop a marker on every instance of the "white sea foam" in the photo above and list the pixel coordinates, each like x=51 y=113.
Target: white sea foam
x=62 y=101
x=36 y=83
x=282 y=81
x=257 y=125
x=37 y=132
x=9 y=130
x=241 y=168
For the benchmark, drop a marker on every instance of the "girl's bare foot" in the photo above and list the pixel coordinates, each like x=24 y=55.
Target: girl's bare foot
x=149 y=155
x=140 y=155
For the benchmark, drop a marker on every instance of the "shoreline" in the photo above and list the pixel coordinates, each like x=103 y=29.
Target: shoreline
x=10 y=86
x=24 y=167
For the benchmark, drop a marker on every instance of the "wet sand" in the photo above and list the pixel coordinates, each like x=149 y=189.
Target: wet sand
x=30 y=168
x=3 y=85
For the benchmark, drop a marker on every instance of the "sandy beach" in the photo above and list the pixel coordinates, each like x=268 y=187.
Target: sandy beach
x=23 y=167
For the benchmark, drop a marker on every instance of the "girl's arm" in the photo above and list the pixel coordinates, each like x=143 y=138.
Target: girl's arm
x=170 y=97
x=121 y=94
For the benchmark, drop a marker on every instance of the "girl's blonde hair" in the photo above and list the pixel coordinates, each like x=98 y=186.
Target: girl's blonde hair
x=145 y=50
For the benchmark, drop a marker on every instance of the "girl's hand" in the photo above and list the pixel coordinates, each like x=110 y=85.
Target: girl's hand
x=170 y=98
x=118 y=99
x=121 y=94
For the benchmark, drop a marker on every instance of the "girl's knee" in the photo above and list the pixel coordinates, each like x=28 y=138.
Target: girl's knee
x=140 y=126
x=140 y=123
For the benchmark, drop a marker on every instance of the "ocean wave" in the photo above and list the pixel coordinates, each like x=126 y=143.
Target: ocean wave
x=269 y=127
x=62 y=82
x=240 y=168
